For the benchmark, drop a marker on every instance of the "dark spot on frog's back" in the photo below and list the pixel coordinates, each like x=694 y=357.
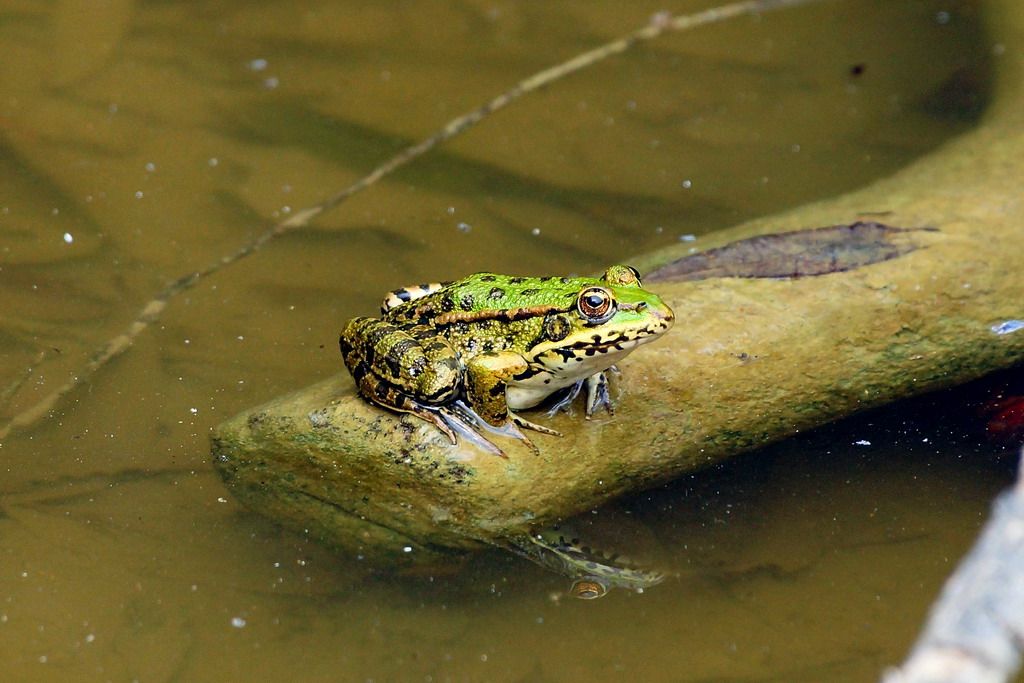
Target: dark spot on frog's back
x=393 y=358
x=529 y=292
x=447 y=303
x=517 y=280
x=496 y=293
x=466 y=302
x=487 y=278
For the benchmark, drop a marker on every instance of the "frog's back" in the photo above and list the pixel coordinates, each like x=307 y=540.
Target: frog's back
x=492 y=291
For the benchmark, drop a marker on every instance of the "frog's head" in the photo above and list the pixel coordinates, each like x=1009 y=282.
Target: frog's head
x=611 y=316
x=618 y=306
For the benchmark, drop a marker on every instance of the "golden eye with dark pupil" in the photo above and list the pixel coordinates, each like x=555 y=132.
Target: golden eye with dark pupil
x=595 y=304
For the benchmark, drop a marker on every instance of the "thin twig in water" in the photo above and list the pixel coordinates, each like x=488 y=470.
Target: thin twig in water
x=152 y=311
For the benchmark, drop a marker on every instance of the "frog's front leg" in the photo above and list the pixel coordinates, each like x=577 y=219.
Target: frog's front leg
x=598 y=394
x=487 y=377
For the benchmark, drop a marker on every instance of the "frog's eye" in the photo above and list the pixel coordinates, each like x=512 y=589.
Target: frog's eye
x=596 y=304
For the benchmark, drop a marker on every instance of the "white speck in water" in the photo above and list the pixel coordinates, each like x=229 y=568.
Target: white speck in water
x=998 y=49
x=138 y=194
x=193 y=410
x=794 y=148
x=150 y=167
x=257 y=64
x=942 y=17
x=221 y=499
x=90 y=637
x=238 y=622
x=688 y=238
x=535 y=232
x=483 y=658
x=54 y=211
x=68 y=238
x=286 y=209
x=188 y=341
x=42 y=659
x=1008 y=326
x=406 y=548
x=687 y=184
x=240 y=338
x=212 y=161
x=464 y=227
x=271 y=83
x=658 y=229
x=862 y=442
x=451 y=210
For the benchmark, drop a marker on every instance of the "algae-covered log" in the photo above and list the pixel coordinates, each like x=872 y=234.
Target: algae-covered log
x=750 y=360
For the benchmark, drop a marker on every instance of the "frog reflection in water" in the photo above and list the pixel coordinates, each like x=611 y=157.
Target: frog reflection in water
x=463 y=355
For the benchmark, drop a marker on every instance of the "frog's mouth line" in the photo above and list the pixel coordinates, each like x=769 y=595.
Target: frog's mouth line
x=621 y=342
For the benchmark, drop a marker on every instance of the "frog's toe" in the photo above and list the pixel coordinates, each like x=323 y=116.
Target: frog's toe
x=526 y=424
x=465 y=424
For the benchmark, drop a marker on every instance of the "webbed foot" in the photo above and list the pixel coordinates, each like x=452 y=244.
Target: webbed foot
x=461 y=418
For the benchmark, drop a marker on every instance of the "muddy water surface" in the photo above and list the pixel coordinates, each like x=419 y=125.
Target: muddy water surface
x=140 y=142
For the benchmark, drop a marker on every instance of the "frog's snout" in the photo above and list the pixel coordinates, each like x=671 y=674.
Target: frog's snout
x=663 y=313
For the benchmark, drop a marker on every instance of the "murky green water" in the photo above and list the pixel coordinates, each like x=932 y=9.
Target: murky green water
x=142 y=141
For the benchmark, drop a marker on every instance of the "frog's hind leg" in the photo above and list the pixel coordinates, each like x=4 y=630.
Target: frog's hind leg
x=388 y=396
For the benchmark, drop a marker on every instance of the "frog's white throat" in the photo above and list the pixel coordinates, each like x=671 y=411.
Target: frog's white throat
x=554 y=369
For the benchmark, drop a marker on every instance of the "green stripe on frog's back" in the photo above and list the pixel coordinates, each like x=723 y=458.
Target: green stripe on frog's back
x=506 y=298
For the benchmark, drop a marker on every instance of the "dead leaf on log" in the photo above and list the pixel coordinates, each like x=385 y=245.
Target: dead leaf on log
x=814 y=251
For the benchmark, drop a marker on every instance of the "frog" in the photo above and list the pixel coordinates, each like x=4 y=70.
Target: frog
x=467 y=355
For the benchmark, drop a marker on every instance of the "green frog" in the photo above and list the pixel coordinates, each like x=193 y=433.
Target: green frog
x=464 y=355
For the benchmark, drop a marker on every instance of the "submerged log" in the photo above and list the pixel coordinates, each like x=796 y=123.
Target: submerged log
x=975 y=632
x=751 y=360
